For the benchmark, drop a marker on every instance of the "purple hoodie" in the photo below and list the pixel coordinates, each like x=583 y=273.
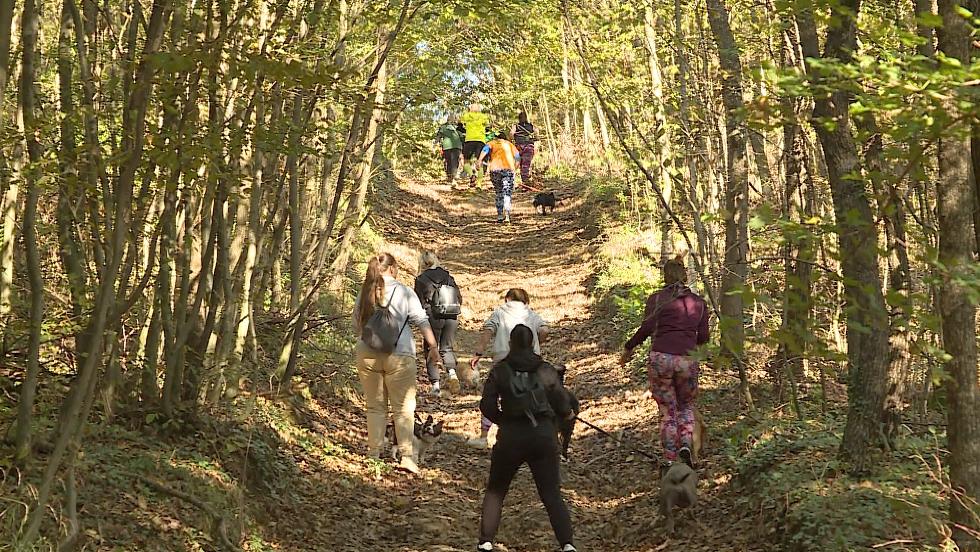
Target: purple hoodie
x=677 y=318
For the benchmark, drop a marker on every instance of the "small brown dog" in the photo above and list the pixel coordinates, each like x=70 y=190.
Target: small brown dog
x=699 y=438
x=679 y=486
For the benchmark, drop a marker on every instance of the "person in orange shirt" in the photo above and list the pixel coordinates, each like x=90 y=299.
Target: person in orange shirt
x=504 y=158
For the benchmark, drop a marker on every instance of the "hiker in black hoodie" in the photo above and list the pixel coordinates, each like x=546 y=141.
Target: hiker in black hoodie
x=444 y=327
x=523 y=395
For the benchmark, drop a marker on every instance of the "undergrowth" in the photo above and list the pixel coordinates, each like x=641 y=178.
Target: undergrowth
x=243 y=458
x=785 y=471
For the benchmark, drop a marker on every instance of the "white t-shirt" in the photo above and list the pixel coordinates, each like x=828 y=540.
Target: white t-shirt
x=502 y=322
x=407 y=309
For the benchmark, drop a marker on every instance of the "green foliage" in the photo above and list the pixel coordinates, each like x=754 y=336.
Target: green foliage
x=790 y=469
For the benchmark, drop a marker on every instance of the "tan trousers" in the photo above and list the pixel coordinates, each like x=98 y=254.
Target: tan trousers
x=388 y=379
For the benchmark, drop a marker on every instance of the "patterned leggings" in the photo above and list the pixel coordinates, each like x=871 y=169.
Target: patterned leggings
x=674 y=384
x=503 y=185
x=527 y=155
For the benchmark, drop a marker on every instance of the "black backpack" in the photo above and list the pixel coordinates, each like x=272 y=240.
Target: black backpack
x=527 y=397
x=524 y=134
x=381 y=331
x=446 y=301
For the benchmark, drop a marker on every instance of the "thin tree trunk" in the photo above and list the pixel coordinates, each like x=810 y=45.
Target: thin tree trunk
x=736 y=195
x=11 y=189
x=289 y=352
x=664 y=151
x=975 y=158
x=6 y=32
x=25 y=406
x=90 y=355
x=71 y=256
x=956 y=247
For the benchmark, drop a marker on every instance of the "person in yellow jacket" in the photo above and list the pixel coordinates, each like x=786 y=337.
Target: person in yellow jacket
x=475 y=122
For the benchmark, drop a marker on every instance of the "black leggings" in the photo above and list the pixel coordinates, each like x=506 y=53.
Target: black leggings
x=445 y=333
x=451 y=158
x=518 y=443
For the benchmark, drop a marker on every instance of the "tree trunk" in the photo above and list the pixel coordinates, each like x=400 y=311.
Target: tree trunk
x=867 y=318
x=956 y=246
x=90 y=350
x=355 y=207
x=25 y=405
x=975 y=157
x=71 y=256
x=892 y=212
x=289 y=352
x=663 y=151
x=11 y=189
x=736 y=195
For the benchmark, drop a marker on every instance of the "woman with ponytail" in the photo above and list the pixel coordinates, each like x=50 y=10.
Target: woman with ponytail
x=390 y=377
x=676 y=319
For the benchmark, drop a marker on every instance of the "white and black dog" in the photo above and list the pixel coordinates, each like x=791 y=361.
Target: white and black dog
x=426 y=434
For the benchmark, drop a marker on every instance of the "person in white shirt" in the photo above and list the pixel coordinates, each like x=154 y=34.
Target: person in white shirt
x=496 y=331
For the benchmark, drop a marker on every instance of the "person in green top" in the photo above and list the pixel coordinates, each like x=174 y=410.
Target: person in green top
x=452 y=148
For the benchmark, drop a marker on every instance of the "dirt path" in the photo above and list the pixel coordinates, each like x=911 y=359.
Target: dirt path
x=611 y=491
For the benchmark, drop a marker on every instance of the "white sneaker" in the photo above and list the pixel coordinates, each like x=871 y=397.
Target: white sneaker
x=477 y=443
x=434 y=391
x=569 y=548
x=485 y=547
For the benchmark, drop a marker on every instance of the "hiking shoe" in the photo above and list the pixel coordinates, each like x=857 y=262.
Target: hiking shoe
x=453 y=383
x=408 y=464
x=477 y=443
x=500 y=219
x=685 y=455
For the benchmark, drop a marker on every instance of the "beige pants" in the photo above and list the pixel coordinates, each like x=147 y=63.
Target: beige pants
x=388 y=379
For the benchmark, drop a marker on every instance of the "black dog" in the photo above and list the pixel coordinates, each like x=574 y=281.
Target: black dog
x=566 y=426
x=546 y=199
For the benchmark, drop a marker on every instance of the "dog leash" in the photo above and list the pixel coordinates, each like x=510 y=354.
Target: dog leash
x=617 y=439
x=531 y=188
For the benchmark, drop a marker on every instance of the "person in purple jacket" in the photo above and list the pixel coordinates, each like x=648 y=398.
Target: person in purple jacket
x=677 y=320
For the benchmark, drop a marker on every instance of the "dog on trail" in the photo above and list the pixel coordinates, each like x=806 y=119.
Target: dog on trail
x=426 y=434
x=679 y=485
x=546 y=200
x=678 y=489
x=566 y=426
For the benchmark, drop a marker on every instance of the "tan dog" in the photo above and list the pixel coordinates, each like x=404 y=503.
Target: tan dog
x=699 y=438
x=678 y=488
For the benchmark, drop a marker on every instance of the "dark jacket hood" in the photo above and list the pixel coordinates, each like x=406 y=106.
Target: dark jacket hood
x=524 y=361
x=438 y=274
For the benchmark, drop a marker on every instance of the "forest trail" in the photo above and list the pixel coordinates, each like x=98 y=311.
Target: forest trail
x=611 y=491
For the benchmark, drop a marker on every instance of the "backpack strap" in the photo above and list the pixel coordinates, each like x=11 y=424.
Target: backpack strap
x=388 y=305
